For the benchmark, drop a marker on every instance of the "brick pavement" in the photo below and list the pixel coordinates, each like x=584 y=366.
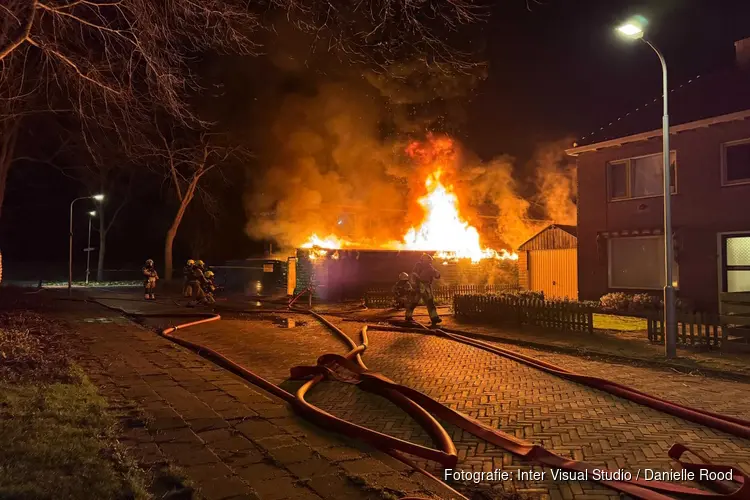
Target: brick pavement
x=231 y=440
x=565 y=417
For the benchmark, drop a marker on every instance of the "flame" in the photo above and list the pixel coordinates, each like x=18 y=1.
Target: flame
x=443 y=229
x=319 y=247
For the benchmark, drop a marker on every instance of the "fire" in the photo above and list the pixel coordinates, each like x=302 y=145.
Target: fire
x=443 y=229
x=319 y=246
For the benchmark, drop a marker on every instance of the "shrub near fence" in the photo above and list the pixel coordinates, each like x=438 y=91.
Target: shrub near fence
x=383 y=298
x=521 y=311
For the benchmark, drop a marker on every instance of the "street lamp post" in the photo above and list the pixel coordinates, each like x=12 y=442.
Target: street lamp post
x=634 y=30
x=97 y=197
x=92 y=214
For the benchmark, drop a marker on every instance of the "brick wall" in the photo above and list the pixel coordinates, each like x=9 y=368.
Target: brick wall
x=701 y=209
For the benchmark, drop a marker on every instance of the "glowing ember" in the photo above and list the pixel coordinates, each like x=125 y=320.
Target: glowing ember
x=444 y=230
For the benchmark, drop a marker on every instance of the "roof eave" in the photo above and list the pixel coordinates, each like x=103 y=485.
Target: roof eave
x=644 y=136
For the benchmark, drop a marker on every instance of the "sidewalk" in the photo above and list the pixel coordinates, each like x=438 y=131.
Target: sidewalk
x=622 y=347
x=231 y=440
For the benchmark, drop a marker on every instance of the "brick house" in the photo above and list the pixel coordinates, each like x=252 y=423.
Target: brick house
x=620 y=201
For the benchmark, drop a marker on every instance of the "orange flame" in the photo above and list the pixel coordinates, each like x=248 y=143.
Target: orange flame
x=443 y=229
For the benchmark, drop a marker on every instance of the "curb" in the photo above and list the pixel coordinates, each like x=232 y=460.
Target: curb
x=686 y=370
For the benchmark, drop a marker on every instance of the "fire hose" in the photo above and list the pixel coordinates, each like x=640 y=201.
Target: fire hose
x=350 y=368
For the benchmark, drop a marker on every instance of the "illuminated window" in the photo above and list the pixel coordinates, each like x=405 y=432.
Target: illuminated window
x=736 y=162
x=640 y=177
x=638 y=263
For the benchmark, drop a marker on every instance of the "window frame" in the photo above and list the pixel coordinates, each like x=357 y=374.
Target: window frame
x=724 y=181
x=628 y=162
x=610 y=286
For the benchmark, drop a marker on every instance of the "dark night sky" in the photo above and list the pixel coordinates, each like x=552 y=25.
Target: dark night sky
x=557 y=70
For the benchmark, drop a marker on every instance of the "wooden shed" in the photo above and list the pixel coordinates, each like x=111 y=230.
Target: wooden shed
x=548 y=262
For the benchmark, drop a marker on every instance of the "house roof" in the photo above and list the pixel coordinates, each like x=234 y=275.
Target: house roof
x=696 y=102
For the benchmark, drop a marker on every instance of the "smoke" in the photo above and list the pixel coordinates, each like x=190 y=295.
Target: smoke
x=327 y=169
x=556 y=182
x=335 y=162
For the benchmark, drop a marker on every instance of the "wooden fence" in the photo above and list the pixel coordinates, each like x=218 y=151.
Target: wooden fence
x=383 y=298
x=693 y=329
x=565 y=316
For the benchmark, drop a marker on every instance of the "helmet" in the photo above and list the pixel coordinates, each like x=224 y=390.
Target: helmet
x=149 y=263
x=427 y=257
x=199 y=263
x=209 y=274
x=403 y=276
x=190 y=262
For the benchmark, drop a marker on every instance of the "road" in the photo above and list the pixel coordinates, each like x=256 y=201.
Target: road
x=565 y=417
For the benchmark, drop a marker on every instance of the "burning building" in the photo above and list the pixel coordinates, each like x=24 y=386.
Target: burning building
x=343 y=269
x=355 y=216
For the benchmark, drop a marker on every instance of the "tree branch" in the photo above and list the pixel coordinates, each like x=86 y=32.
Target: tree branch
x=23 y=36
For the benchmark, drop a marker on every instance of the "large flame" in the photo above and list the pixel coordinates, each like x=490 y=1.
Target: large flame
x=443 y=229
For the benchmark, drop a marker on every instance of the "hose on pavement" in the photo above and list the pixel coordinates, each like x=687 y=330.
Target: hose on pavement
x=350 y=368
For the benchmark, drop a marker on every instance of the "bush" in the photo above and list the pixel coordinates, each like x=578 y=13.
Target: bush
x=523 y=294
x=616 y=301
x=638 y=303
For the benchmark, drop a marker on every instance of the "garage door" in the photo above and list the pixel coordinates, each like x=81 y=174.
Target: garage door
x=554 y=272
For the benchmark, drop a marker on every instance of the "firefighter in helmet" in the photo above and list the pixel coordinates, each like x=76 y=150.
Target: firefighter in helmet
x=197 y=282
x=150 y=275
x=422 y=276
x=403 y=291
x=187 y=272
x=209 y=287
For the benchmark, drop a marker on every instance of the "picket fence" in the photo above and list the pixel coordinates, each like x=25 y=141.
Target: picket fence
x=693 y=329
x=521 y=311
x=382 y=298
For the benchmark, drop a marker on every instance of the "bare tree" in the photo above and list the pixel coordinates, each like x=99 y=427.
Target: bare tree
x=187 y=162
x=124 y=59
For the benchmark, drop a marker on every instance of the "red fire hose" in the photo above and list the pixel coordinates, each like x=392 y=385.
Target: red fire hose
x=351 y=369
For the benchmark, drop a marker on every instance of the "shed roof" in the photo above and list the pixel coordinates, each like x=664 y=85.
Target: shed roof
x=554 y=236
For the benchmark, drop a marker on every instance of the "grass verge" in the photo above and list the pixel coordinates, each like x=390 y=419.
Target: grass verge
x=59 y=442
x=58 y=439
x=619 y=323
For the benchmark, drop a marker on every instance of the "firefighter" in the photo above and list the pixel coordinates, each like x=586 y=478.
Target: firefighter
x=197 y=282
x=422 y=277
x=209 y=287
x=149 y=272
x=187 y=271
x=403 y=291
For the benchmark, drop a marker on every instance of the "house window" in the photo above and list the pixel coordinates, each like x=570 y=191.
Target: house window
x=640 y=177
x=736 y=163
x=638 y=263
x=737 y=263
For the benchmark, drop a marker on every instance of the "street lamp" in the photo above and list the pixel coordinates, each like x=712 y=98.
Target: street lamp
x=96 y=197
x=88 y=250
x=634 y=29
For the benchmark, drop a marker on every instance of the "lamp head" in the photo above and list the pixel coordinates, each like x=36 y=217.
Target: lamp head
x=92 y=213
x=98 y=197
x=633 y=28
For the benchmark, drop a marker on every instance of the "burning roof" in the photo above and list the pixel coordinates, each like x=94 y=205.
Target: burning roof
x=442 y=229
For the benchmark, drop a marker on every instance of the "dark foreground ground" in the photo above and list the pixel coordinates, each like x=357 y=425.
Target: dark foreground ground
x=235 y=441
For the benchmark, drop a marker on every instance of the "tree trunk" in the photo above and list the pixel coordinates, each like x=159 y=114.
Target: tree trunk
x=9 y=134
x=172 y=231
x=102 y=247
